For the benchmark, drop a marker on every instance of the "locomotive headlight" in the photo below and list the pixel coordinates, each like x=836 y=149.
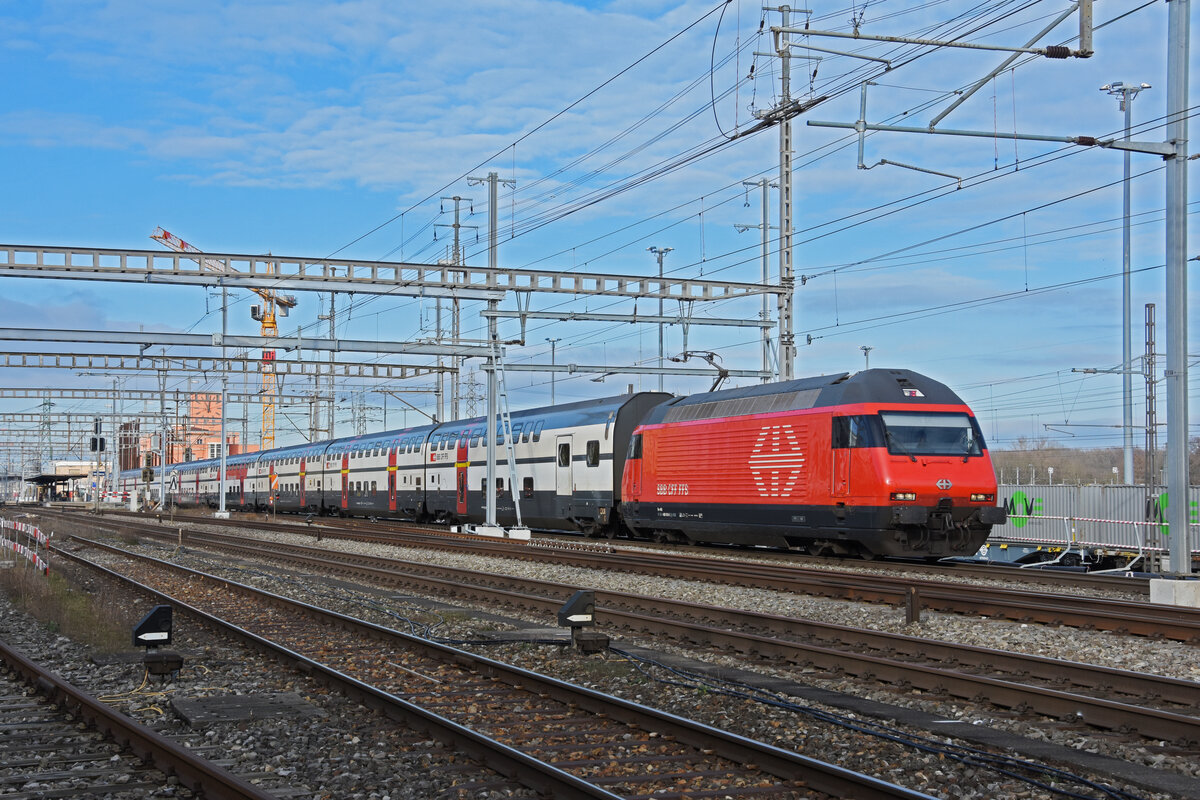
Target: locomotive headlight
x=983 y=498
x=904 y=495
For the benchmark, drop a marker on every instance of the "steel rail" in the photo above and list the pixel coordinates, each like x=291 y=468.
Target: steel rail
x=201 y=776
x=816 y=775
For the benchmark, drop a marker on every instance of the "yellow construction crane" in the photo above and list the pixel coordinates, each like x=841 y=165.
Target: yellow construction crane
x=264 y=314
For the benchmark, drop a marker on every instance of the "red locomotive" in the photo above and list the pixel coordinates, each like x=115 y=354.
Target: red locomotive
x=881 y=463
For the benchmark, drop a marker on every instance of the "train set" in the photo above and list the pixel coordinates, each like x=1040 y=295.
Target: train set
x=879 y=463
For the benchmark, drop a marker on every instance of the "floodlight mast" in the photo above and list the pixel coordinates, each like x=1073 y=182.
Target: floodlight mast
x=1125 y=92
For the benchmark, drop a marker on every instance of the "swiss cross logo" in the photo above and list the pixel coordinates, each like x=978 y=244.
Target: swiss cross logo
x=944 y=484
x=776 y=461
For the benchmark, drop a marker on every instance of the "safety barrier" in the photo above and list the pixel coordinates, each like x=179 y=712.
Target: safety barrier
x=1110 y=518
x=31 y=532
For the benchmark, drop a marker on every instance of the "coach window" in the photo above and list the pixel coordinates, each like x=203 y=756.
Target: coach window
x=527 y=488
x=373 y=487
x=564 y=454
x=593 y=453
x=537 y=430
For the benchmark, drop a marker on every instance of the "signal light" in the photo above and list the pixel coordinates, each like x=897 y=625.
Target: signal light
x=904 y=495
x=983 y=498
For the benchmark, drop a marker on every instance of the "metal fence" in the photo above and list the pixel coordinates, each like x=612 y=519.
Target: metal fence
x=1113 y=517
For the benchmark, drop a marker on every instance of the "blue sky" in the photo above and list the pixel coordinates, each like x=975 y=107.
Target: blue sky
x=296 y=128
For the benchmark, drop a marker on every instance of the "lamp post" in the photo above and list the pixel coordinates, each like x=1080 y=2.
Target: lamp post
x=660 y=252
x=1125 y=92
x=552 y=373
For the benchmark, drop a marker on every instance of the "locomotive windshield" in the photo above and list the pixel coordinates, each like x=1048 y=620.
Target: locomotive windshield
x=931 y=434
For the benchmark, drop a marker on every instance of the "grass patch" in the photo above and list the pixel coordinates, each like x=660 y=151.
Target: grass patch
x=96 y=619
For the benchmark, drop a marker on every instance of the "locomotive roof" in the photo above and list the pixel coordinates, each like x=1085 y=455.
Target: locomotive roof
x=869 y=386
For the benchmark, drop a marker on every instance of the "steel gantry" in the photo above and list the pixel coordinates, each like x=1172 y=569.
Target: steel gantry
x=342 y=275
x=272 y=273
x=134 y=395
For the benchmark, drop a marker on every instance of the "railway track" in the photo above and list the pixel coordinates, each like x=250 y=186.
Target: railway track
x=562 y=740
x=1053 y=608
x=413 y=533
x=58 y=741
x=1152 y=706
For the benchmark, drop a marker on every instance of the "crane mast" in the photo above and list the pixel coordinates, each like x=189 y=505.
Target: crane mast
x=265 y=315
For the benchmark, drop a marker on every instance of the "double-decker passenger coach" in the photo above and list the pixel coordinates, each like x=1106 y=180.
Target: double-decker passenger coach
x=569 y=462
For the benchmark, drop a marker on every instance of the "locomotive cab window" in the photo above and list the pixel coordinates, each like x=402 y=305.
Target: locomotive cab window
x=635 y=446
x=932 y=433
x=593 y=453
x=859 y=430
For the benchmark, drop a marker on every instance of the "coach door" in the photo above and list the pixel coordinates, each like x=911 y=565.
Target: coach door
x=461 y=462
x=303 y=473
x=562 y=470
x=391 y=470
x=345 y=480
